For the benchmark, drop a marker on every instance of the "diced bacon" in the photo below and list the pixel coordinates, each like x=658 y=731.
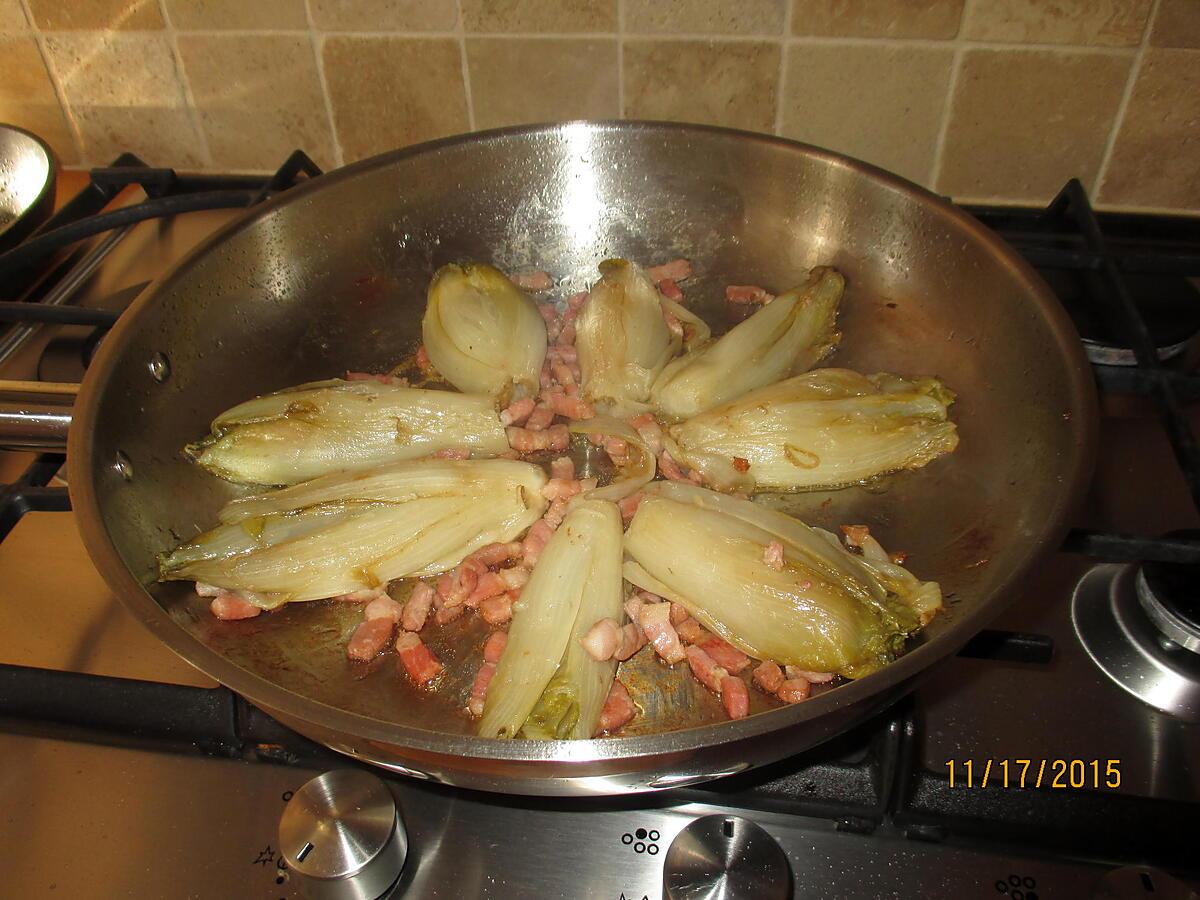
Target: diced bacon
x=383 y=608
x=497 y=554
x=562 y=468
x=419 y=662
x=726 y=655
x=456 y=586
x=208 y=590
x=669 y=289
x=679 y=614
x=691 y=631
x=676 y=270
x=650 y=431
x=794 y=690
x=747 y=293
x=633 y=607
x=556 y=513
x=416 y=608
x=497 y=610
x=655 y=619
x=490 y=584
x=618 y=709
x=541 y=418
x=768 y=676
x=673 y=471
x=628 y=505
x=565 y=352
x=567 y=334
x=532 y=281
x=602 y=640
x=479 y=688
x=553 y=327
x=517 y=411
x=444 y=615
x=740 y=464
x=571 y=406
x=508 y=454
x=364 y=596
x=229 y=607
x=369 y=639
x=632 y=640
x=423 y=362
x=535 y=541
x=812 y=677
x=856 y=534
x=773 y=556
x=451 y=453
x=575 y=301
x=560 y=437
x=649 y=597
x=617 y=448
x=515 y=578
x=493 y=647
x=526 y=440
x=673 y=324
x=561 y=489
x=734 y=697
x=705 y=668
x=563 y=374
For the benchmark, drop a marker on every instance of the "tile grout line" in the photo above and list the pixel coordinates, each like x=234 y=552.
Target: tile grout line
x=317 y=42
x=1123 y=107
x=189 y=96
x=60 y=93
x=939 y=147
x=461 y=29
x=620 y=59
x=781 y=82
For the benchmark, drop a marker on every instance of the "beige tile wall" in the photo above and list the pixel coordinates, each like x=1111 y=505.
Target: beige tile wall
x=979 y=99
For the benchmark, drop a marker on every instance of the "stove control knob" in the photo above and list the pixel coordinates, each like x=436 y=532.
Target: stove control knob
x=727 y=857
x=342 y=837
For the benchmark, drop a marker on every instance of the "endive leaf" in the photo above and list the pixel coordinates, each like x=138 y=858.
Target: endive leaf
x=825 y=429
x=789 y=335
x=330 y=426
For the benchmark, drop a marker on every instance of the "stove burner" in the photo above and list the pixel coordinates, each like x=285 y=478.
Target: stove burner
x=1169 y=304
x=1170 y=595
x=1116 y=627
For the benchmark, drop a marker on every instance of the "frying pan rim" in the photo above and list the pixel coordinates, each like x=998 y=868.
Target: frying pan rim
x=1081 y=418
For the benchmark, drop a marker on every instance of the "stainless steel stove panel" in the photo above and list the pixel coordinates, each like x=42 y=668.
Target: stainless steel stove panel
x=120 y=822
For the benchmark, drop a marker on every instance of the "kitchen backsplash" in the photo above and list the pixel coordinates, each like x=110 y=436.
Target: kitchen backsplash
x=998 y=100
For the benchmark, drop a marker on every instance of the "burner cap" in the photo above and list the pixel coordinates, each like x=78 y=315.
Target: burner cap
x=1118 y=632
x=1170 y=594
x=1169 y=304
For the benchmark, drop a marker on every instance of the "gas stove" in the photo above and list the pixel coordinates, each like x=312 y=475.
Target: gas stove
x=1058 y=755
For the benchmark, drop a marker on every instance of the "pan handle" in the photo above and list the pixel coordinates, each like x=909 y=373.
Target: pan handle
x=35 y=415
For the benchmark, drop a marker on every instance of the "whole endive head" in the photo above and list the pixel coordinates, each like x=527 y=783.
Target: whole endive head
x=622 y=338
x=481 y=332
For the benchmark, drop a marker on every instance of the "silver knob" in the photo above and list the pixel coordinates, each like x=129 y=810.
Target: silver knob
x=725 y=857
x=341 y=835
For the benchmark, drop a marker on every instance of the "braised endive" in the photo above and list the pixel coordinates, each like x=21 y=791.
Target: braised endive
x=621 y=337
x=482 y=333
x=791 y=334
x=825 y=610
x=330 y=426
x=546 y=685
x=825 y=429
x=352 y=531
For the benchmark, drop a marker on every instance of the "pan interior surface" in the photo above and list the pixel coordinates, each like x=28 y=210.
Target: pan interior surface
x=333 y=276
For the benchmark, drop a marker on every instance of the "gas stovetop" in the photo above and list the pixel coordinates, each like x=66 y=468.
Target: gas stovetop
x=1057 y=756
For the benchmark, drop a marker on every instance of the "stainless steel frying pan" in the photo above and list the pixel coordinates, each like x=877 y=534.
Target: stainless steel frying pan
x=332 y=275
